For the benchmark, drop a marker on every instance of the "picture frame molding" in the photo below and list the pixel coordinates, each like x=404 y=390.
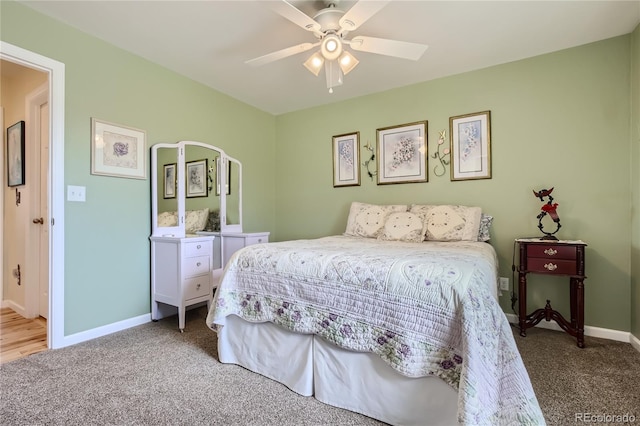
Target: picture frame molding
x=387 y=139
x=170 y=182
x=106 y=156
x=480 y=168
x=16 y=154
x=350 y=141
x=200 y=169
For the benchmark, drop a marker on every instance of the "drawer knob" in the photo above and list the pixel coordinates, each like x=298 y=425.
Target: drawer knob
x=550 y=252
x=550 y=266
x=198 y=286
x=198 y=246
x=259 y=240
x=198 y=264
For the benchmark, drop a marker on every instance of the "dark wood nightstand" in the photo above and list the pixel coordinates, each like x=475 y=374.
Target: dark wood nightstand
x=549 y=257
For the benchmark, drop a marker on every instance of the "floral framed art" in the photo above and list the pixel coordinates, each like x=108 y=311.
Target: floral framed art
x=170 y=180
x=15 y=154
x=346 y=160
x=117 y=150
x=470 y=137
x=402 y=153
x=196 y=177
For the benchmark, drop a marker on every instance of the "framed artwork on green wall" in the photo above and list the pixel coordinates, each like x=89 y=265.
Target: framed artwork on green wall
x=346 y=160
x=118 y=151
x=402 y=153
x=470 y=137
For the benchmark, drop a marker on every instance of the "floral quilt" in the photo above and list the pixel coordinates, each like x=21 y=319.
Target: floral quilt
x=425 y=308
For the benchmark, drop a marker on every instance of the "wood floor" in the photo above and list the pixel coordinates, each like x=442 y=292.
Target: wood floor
x=20 y=336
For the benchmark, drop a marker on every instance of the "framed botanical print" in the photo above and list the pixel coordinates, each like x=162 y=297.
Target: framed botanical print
x=470 y=146
x=346 y=160
x=402 y=153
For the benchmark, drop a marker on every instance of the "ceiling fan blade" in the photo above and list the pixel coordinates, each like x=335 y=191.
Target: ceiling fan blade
x=295 y=15
x=382 y=46
x=360 y=13
x=281 y=54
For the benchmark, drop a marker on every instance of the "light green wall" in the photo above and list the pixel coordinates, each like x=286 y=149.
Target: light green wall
x=558 y=120
x=106 y=239
x=635 y=160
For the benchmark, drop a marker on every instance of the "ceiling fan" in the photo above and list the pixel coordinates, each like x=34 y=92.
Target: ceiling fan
x=331 y=26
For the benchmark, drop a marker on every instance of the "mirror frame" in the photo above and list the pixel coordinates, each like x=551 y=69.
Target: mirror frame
x=178 y=231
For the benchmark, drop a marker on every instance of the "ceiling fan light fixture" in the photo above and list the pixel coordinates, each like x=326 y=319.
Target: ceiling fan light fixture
x=314 y=63
x=331 y=47
x=347 y=62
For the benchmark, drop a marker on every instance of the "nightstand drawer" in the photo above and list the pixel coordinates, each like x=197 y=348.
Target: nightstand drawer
x=197 y=266
x=551 y=251
x=196 y=287
x=552 y=266
x=198 y=248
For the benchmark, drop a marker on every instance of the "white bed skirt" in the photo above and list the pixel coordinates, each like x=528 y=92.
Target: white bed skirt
x=359 y=382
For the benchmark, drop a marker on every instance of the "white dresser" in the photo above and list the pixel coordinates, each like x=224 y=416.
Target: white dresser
x=181 y=273
x=227 y=243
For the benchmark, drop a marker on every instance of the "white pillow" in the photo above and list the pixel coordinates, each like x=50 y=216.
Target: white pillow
x=403 y=226
x=166 y=219
x=450 y=223
x=196 y=220
x=367 y=220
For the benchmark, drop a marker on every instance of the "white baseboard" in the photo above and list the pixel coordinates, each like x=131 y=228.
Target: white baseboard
x=603 y=333
x=83 y=336
x=19 y=309
x=635 y=342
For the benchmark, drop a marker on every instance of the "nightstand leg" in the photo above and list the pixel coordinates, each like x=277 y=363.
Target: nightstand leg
x=522 y=303
x=580 y=313
x=573 y=303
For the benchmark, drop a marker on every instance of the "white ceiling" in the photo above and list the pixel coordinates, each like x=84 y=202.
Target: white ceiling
x=209 y=41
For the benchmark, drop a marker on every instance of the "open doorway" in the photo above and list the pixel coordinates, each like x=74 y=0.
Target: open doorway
x=25 y=100
x=51 y=124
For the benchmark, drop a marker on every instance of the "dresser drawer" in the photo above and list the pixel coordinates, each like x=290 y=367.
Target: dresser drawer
x=553 y=266
x=198 y=248
x=256 y=240
x=551 y=251
x=196 y=265
x=196 y=287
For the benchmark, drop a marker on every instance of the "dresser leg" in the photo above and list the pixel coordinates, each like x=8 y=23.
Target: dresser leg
x=580 y=312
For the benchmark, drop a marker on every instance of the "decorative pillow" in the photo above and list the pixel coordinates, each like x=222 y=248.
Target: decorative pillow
x=485 y=227
x=213 y=222
x=403 y=226
x=166 y=219
x=196 y=220
x=450 y=223
x=366 y=220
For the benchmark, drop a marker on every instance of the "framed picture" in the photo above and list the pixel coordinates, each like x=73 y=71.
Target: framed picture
x=470 y=136
x=402 y=153
x=117 y=150
x=170 y=180
x=196 y=176
x=227 y=185
x=15 y=154
x=346 y=160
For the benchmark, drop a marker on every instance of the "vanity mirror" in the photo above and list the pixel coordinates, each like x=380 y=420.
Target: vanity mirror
x=196 y=218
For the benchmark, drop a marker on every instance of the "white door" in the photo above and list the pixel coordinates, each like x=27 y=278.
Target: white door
x=37 y=292
x=44 y=213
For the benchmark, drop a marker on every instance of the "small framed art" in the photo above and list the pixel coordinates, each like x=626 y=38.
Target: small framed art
x=170 y=180
x=402 y=153
x=470 y=137
x=117 y=151
x=15 y=154
x=196 y=176
x=346 y=160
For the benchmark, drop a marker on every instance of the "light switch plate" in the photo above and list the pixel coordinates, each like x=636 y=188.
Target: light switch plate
x=504 y=284
x=76 y=193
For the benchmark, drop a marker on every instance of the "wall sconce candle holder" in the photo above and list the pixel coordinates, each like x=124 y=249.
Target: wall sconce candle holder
x=442 y=157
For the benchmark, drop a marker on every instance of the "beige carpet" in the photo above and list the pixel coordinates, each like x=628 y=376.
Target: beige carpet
x=154 y=375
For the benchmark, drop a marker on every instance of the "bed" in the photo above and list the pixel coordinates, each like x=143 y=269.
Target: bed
x=403 y=330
